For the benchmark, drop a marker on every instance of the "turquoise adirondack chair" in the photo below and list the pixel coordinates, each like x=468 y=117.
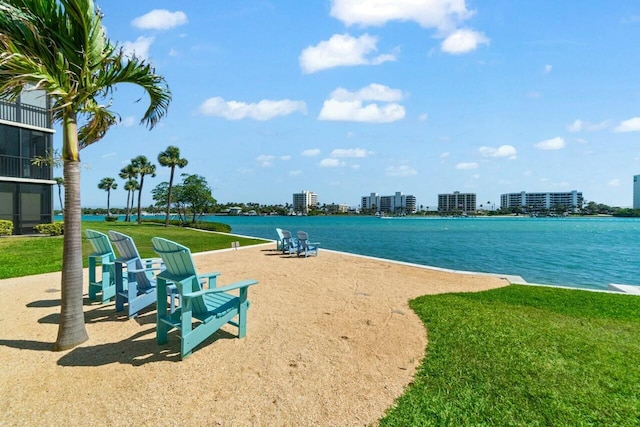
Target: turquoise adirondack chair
x=212 y=307
x=306 y=246
x=289 y=244
x=104 y=257
x=135 y=277
x=280 y=241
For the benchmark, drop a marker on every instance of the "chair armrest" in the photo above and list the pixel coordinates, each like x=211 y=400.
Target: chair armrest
x=147 y=261
x=140 y=270
x=237 y=285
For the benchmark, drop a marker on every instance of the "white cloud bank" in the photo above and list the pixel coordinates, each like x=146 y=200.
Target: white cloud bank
x=344 y=105
x=445 y=16
x=579 y=125
x=556 y=143
x=400 y=171
x=311 y=152
x=502 y=151
x=263 y=110
x=631 y=125
x=467 y=166
x=342 y=50
x=160 y=19
x=463 y=41
x=138 y=48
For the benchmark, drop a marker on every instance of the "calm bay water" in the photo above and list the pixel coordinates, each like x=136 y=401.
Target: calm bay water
x=580 y=252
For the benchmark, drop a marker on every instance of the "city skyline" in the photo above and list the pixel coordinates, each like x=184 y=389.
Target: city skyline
x=342 y=96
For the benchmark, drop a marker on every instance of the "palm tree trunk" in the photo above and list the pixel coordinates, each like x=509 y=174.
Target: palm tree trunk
x=140 y=198
x=166 y=219
x=108 y=202
x=71 y=329
x=60 y=197
x=126 y=217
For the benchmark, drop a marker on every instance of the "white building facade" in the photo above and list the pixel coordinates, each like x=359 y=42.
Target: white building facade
x=399 y=203
x=456 y=202
x=304 y=201
x=570 y=200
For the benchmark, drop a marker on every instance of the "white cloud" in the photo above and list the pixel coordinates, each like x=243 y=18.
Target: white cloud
x=440 y=14
x=579 y=125
x=295 y=172
x=286 y=157
x=556 y=143
x=547 y=69
x=138 y=48
x=373 y=92
x=342 y=50
x=463 y=41
x=332 y=163
x=107 y=155
x=160 y=19
x=311 y=152
x=350 y=106
x=614 y=182
x=128 y=121
x=350 y=152
x=445 y=155
x=263 y=110
x=402 y=170
x=423 y=117
x=502 y=151
x=467 y=165
x=533 y=95
x=265 y=160
x=631 y=125
x=354 y=111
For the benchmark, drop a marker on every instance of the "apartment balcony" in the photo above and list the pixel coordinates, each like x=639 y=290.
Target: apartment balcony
x=20 y=167
x=25 y=114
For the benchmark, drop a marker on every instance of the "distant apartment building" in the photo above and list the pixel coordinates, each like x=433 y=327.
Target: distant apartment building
x=397 y=204
x=26 y=190
x=337 y=208
x=456 y=202
x=304 y=201
x=636 y=192
x=570 y=200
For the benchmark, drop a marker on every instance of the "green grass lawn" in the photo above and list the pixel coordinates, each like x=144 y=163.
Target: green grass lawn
x=526 y=355
x=23 y=256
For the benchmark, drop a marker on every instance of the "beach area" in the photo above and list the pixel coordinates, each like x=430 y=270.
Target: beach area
x=330 y=340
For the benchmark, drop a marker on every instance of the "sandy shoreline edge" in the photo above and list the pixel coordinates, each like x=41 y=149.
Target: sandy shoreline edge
x=331 y=341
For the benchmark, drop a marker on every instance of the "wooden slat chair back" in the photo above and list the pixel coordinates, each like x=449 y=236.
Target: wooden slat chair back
x=289 y=244
x=280 y=242
x=202 y=311
x=103 y=257
x=135 y=277
x=306 y=246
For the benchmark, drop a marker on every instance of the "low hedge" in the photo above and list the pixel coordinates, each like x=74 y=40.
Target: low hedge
x=53 y=229
x=6 y=227
x=200 y=225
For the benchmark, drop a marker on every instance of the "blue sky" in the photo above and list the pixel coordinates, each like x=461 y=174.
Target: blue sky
x=349 y=97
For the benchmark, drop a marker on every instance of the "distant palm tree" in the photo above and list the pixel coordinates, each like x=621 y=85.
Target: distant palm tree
x=129 y=173
x=61 y=47
x=143 y=167
x=108 y=184
x=171 y=158
x=131 y=186
x=60 y=183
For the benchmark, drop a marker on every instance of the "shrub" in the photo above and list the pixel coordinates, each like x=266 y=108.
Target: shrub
x=6 y=227
x=201 y=225
x=53 y=229
x=111 y=218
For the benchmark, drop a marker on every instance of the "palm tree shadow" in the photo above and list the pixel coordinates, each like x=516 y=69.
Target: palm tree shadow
x=137 y=350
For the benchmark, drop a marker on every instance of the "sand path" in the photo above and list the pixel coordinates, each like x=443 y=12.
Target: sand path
x=331 y=341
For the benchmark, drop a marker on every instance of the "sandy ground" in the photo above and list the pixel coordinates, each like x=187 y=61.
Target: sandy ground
x=330 y=341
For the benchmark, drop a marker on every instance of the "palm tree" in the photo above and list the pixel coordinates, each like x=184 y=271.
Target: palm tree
x=128 y=172
x=60 y=46
x=131 y=186
x=60 y=183
x=143 y=167
x=108 y=184
x=171 y=158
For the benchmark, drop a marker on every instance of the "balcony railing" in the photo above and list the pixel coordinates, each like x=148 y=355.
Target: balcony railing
x=20 y=167
x=25 y=114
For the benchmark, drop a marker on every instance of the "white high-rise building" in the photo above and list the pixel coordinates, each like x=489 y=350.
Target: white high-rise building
x=398 y=203
x=304 y=201
x=636 y=192
x=570 y=200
